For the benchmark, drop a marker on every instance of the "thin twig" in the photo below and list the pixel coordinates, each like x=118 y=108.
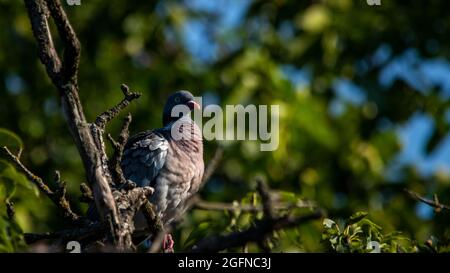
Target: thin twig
x=108 y=115
x=119 y=145
x=10 y=210
x=433 y=203
x=220 y=206
x=38 y=13
x=58 y=197
x=154 y=223
x=267 y=200
x=201 y=204
x=212 y=166
x=86 y=193
x=72 y=47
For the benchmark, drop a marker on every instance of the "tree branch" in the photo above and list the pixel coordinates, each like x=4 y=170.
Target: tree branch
x=154 y=223
x=86 y=194
x=38 y=14
x=93 y=231
x=72 y=46
x=108 y=115
x=433 y=203
x=198 y=203
x=58 y=197
x=87 y=137
x=129 y=204
x=212 y=166
x=267 y=201
x=119 y=145
x=259 y=231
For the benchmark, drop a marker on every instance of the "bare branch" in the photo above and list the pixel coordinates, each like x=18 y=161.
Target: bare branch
x=260 y=231
x=87 y=138
x=38 y=14
x=108 y=115
x=86 y=194
x=256 y=233
x=198 y=203
x=72 y=46
x=10 y=210
x=58 y=197
x=154 y=223
x=129 y=204
x=433 y=203
x=119 y=145
x=212 y=166
x=267 y=201
x=32 y=177
x=93 y=231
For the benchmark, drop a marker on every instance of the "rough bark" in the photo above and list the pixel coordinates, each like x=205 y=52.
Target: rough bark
x=88 y=137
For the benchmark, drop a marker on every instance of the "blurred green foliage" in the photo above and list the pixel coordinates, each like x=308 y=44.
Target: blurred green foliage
x=339 y=160
x=360 y=235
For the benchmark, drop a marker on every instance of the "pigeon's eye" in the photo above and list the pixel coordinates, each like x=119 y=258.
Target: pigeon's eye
x=177 y=99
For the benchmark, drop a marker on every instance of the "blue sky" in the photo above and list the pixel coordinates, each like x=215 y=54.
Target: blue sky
x=422 y=75
x=197 y=33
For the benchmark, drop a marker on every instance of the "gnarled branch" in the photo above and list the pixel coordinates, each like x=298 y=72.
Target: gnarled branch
x=88 y=137
x=257 y=233
x=58 y=197
x=433 y=203
x=108 y=115
x=119 y=145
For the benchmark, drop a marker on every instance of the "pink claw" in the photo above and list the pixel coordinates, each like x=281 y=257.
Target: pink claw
x=168 y=244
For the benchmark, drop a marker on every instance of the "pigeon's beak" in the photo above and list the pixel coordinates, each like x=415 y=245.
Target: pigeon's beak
x=193 y=105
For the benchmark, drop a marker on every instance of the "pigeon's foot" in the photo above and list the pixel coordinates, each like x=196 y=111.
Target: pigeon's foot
x=168 y=244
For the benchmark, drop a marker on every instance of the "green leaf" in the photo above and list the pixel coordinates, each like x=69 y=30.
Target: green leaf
x=370 y=224
x=356 y=217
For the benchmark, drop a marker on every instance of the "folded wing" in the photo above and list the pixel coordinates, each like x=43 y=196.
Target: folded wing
x=144 y=156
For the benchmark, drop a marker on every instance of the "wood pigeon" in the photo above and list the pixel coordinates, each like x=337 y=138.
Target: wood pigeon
x=169 y=159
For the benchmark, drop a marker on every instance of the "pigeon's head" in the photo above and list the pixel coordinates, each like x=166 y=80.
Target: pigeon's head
x=185 y=100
